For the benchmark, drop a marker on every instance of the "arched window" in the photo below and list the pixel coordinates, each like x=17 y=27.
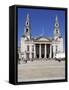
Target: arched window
x=56 y=31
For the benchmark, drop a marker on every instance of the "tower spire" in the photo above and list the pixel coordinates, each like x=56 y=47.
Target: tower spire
x=56 y=28
x=27 y=27
x=27 y=19
x=56 y=18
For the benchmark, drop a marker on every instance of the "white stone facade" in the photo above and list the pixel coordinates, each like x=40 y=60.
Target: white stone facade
x=40 y=47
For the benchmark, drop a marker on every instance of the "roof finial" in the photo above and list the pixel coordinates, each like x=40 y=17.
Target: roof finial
x=42 y=32
x=56 y=18
x=27 y=16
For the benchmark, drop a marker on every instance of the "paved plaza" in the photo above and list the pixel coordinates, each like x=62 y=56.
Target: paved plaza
x=41 y=70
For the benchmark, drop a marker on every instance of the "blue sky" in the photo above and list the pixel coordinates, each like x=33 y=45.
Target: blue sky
x=41 y=21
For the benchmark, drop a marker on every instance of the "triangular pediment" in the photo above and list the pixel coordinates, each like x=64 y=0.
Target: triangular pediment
x=42 y=39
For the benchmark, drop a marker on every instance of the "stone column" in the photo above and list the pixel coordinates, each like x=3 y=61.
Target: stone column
x=30 y=52
x=50 y=51
x=34 y=51
x=24 y=55
x=45 y=50
x=40 y=51
x=53 y=55
x=54 y=50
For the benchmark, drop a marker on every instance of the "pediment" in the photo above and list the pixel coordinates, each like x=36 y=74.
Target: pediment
x=42 y=39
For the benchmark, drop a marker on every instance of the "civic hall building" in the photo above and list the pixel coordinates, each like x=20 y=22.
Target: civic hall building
x=41 y=46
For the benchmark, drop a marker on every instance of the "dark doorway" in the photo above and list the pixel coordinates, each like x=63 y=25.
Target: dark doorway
x=42 y=50
x=27 y=56
x=48 y=50
x=42 y=55
x=52 y=51
x=37 y=55
x=37 y=50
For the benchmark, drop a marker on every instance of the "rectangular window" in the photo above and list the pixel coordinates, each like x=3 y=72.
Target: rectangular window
x=32 y=47
x=56 y=48
x=28 y=48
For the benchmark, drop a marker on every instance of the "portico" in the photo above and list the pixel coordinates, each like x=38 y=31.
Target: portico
x=42 y=50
